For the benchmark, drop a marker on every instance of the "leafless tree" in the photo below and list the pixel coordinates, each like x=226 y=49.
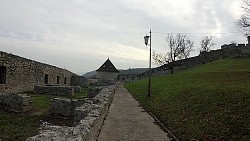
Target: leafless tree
x=244 y=21
x=180 y=47
x=207 y=43
x=160 y=59
x=185 y=46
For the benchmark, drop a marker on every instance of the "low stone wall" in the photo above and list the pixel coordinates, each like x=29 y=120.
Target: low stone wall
x=16 y=102
x=88 y=119
x=54 y=90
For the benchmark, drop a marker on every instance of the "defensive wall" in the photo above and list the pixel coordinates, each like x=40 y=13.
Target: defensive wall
x=18 y=74
x=226 y=51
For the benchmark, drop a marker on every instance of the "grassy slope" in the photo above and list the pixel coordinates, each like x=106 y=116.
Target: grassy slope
x=211 y=101
x=19 y=126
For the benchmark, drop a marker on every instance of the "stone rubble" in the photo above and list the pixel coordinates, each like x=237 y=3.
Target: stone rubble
x=67 y=107
x=94 y=91
x=88 y=119
x=16 y=102
x=61 y=106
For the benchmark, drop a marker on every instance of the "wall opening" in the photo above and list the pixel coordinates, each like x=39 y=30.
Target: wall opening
x=57 y=79
x=65 y=80
x=46 y=79
x=2 y=75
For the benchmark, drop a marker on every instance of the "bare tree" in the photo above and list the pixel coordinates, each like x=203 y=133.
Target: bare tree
x=179 y=48
x=185 y=46
x=160 y=59
x=244 y=21
x=207 y=43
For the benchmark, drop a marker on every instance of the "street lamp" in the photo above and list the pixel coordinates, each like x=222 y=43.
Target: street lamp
x=146 y=38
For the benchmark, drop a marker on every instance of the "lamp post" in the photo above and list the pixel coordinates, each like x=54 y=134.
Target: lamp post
x=146 y=38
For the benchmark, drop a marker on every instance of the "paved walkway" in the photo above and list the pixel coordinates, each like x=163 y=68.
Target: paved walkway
x=127 y=121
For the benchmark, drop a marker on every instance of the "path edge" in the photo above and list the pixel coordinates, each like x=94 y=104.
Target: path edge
x=156 y=120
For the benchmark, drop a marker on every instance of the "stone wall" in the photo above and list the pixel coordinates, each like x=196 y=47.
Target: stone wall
x=79 y=81
x=106 y=75
x=88 y=119
x=227 y=51
x=244 y=48
x=54 y=90
x=57 y=90
x=16 y=102
x=106 y=82
x=19 y=74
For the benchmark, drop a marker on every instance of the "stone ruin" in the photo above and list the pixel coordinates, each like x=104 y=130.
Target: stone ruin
x=56 y=90
x=67 y=107
x=64 y=106
x=18 y=74
x=88 y=115
x=16 y=102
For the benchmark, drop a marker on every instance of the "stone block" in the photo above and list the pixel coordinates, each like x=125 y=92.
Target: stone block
x=81 y=112
x=16 y=102
x=61 y=106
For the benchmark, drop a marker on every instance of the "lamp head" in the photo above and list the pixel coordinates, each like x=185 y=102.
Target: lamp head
x=146 y=38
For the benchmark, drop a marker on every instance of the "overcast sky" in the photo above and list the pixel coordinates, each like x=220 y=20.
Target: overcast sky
x=80 y=35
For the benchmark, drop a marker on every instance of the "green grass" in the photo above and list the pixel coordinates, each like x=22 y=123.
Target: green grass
x=208 y=102
x=19 y=126
x=16 y=126
x=41 y=102
x=80 y=95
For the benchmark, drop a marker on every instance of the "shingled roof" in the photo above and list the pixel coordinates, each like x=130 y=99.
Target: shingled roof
x=108 y=67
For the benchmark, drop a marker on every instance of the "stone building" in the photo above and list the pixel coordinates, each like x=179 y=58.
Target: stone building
x=18 y=74
x=107 y=72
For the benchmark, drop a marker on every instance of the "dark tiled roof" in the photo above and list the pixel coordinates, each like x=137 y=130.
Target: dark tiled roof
x=108 y=67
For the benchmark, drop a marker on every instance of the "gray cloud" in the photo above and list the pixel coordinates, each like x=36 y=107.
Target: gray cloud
x=80 y=34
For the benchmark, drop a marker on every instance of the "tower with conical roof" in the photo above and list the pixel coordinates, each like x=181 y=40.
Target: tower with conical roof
x=107 y=71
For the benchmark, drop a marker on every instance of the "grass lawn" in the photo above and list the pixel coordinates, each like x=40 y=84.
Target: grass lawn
x=209 y=102
x=20 y=126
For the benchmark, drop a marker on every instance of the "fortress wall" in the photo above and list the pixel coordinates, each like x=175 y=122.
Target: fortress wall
x=18 y=74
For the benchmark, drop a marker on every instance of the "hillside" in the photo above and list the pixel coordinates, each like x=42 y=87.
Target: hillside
x=208 y=102
x=91 y=74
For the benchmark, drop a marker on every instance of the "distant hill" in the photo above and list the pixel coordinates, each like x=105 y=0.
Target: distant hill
x=92 y=74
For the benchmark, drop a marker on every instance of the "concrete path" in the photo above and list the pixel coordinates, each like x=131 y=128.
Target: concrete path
x=127 y=121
